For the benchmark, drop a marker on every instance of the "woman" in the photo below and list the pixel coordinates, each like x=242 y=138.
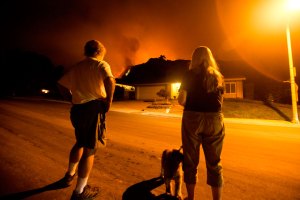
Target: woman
x=201 y=94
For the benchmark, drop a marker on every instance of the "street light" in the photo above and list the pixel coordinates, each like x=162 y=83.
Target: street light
x=292 y=5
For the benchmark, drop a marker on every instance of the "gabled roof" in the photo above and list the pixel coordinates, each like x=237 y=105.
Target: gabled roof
x=156 y=70
x=160 y=70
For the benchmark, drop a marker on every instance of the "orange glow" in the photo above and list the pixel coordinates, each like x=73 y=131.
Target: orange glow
x=256 y=30
x=270 y=14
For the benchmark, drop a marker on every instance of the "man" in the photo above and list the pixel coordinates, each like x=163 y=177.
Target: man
x=92 y=85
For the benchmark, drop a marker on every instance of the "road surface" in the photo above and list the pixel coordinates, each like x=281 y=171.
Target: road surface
x=260 y=161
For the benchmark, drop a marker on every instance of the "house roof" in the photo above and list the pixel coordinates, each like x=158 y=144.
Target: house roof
x=155 y=70
x=160 y=70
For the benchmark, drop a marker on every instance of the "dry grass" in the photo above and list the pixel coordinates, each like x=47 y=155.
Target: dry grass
x=256 y=110
x=232 y=108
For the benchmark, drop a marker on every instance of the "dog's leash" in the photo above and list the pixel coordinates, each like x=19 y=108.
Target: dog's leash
x=180 y=148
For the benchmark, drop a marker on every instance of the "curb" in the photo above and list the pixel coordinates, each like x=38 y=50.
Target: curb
x=262 y=122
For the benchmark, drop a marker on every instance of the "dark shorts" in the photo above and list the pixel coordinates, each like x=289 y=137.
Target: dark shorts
x=84 y=118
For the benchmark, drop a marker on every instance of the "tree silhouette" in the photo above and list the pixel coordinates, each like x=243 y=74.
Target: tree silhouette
x=24 y=73
x=163 y=93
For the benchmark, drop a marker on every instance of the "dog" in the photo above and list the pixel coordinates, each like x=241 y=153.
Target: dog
x=171 y=169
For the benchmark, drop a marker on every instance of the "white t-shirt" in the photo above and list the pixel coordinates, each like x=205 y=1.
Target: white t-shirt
x=85 y=80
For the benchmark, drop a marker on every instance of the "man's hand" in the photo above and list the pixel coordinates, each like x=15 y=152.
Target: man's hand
x=107 y=105
x=109 y=84
x=182 y=97
x=64 y=92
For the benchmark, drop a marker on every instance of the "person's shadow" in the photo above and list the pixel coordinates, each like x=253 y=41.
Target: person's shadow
x=142 y=191
x=25 y=194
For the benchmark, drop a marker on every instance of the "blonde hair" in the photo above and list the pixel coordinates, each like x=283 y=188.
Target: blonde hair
x=204 y=62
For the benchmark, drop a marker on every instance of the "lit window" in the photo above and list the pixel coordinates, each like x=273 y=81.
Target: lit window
x=230 y=87
x=176 y=86
x=175 y=90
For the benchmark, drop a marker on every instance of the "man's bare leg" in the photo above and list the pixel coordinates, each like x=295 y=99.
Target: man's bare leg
x=84 y=168
x=74 y=158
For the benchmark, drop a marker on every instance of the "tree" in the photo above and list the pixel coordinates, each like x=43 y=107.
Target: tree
x=163 y=93
x=24 y=73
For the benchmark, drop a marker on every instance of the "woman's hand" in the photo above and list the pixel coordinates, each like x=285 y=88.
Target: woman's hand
x=182 y=97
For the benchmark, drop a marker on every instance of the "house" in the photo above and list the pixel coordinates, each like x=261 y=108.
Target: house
x=161 y=76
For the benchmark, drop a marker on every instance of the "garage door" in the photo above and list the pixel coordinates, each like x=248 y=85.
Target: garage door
x=149 y=92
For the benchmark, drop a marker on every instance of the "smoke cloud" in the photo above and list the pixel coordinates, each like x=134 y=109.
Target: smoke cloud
x=134 y=31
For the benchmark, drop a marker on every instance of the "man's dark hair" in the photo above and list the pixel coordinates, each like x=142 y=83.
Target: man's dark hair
x=92 y=47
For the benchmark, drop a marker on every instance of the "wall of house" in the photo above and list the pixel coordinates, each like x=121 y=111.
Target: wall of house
x=149 y=92
x=234 y=90
x=237 y=92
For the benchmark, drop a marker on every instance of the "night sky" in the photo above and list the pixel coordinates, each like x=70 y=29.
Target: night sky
x=135 y=30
